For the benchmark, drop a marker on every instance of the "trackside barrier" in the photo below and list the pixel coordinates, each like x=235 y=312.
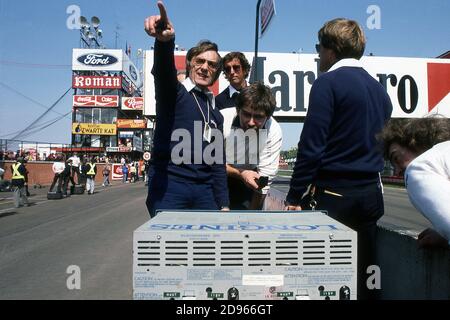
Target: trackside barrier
x=407 y=272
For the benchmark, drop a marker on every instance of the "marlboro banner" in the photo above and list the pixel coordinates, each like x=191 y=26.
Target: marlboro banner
x=95 y=129
x=131 y=123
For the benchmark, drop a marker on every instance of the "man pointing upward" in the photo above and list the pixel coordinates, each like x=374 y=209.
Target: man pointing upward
x=183 y=106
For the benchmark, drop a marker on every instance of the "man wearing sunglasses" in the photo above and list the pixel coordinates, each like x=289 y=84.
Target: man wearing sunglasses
x=253 y=142
x=184 y=180
x=338 y=152
x=236 y=69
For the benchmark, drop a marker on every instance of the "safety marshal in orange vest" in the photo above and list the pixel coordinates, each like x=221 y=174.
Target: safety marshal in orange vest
x=18 y=182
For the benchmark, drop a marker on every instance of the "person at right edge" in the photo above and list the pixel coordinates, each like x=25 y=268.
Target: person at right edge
x=338 y=161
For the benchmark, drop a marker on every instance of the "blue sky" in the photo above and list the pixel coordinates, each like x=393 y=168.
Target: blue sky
x=36 y=44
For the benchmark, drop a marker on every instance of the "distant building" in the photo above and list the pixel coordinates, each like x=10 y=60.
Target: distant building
x=108 y=106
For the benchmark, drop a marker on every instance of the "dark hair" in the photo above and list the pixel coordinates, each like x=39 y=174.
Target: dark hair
x=242 y=59
x=203 y=46
x=345 y=37
x=418 y=134
x=259 y=97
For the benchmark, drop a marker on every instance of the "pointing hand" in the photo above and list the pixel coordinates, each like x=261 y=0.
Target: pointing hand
x=159 y=26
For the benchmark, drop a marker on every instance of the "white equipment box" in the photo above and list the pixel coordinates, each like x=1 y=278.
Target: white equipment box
x=236 y=255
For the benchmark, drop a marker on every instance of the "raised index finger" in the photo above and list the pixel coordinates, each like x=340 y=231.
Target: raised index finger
x=162 y=11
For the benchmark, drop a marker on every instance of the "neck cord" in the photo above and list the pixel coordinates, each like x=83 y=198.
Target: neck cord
x=198 y=105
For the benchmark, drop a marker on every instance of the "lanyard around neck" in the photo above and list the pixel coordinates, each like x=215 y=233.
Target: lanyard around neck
x=198 y=105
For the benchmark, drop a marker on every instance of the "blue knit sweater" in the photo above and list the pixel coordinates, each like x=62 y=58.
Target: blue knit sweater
x=176 y=108
x=338 y=147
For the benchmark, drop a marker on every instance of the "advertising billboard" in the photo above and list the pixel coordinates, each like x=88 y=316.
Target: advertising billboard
x=417 y=86
x=94 y=129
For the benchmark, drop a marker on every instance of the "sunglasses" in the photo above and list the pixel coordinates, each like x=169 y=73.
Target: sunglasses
x=211 y=64
x=318 y=47
x=236 y=68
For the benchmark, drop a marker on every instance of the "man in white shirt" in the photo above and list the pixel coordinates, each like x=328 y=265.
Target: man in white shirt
x=420 y=149
x=252 y=146
x=75 y=168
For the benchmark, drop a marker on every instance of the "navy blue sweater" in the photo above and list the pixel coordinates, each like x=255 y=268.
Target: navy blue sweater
x=176 y=108
x=338 y=147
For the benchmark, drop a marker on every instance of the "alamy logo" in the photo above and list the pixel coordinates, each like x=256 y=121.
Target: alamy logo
x=241 y=147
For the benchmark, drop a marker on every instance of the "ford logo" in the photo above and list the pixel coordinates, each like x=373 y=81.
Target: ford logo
x=133 y=73
x=97 y=59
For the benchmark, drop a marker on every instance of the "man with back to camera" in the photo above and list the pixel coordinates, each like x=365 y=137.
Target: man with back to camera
x=180 y=108
x=236 y=69
x=338 y=152
x=251 y=164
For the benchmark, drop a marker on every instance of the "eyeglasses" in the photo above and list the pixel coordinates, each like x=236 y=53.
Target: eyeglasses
x=211 y=64
x=236 y=68
x=256 y=117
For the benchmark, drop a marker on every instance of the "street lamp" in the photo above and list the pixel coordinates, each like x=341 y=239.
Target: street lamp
x=90 y=34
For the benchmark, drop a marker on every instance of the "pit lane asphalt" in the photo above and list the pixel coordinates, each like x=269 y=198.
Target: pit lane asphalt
x=94 y=232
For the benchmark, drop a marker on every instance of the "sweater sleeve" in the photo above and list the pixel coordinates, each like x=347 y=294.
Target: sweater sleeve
x=165 y=75
x=313 y=140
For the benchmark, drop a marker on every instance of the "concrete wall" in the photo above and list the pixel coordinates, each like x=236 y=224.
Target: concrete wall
x=407 y=272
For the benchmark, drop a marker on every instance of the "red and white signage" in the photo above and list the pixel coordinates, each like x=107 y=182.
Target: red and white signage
x=132 y=103
x=117 y=171
x=102 y=82
x=83 y=101
x=132 y=123
x=146 y=156
x=107 y=101
x=95 y=101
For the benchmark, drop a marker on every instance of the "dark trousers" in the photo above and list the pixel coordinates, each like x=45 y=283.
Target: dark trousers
x=240 y=195
x=75 y=170
x=166 y=193
x=58 y=180
x=359 y=208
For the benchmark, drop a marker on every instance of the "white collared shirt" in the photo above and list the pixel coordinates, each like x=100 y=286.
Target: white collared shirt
x=189 y=85
x=232 y=90
x=427 y=180
x=348 y=62
x=269 y=155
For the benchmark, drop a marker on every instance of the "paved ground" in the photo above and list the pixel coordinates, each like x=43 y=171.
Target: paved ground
x=94 y=233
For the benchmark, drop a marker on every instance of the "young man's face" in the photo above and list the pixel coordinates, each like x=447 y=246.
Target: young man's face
x=234 y=73
x=204 y=68
x=251 y=119
x=327 y=58
x=400 y=158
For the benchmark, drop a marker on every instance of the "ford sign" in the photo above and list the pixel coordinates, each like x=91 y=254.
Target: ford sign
x=97 y=59
x=133 y=73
